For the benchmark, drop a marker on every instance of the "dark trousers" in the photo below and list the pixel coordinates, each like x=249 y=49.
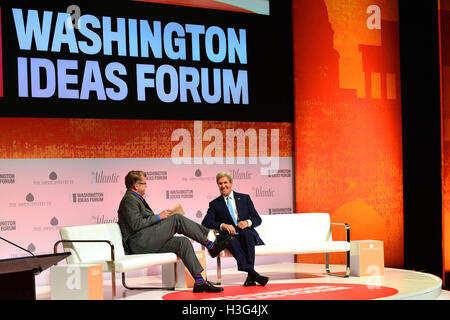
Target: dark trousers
x=243 y=249
x=159 y=238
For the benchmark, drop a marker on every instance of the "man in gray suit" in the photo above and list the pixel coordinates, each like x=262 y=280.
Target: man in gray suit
x=144 y=231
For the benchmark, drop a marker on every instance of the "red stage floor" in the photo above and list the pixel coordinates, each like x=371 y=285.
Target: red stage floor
x=290 y=291
x=290 y=281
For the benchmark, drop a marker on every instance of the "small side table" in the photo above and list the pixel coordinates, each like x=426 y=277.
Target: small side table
x=76 y=282
x=366 y=258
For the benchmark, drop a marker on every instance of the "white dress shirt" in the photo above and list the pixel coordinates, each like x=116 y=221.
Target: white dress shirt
x=233 y=203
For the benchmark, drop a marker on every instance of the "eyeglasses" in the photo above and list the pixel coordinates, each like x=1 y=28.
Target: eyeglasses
x=141 y=182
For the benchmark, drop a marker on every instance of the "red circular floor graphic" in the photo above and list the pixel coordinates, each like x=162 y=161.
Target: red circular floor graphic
x=290 y=291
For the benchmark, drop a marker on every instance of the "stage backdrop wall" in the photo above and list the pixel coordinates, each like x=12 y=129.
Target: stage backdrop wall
x=67 y=166
x=348 y=132
x=90 y=92
x=72 y=173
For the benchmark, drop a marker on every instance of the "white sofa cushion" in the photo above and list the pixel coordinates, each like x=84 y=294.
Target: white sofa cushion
x=137 y=261
x=100 y=253
x=295 y=228
x=299 y=233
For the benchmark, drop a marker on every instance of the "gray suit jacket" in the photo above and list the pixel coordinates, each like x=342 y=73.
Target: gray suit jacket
x=134 y=216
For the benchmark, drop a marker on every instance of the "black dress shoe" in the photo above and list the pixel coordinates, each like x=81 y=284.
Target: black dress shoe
x=206 y=287
x=250 y=281
x=262 y=280
x=219 y=246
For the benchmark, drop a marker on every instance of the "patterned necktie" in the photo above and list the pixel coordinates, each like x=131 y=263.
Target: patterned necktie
x=231 y=210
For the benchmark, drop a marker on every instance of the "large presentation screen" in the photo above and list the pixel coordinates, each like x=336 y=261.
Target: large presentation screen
x=147 y=60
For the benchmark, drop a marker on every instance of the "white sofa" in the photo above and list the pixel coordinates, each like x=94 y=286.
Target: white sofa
x=102 y=244
x=298 y=233
x=283 y=234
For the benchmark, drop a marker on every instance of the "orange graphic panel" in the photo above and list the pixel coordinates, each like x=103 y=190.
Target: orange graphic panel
x=32 y=138
x=348 y=129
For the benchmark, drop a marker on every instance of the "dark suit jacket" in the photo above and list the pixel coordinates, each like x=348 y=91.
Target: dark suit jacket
x=218 y=213
x=134 y=216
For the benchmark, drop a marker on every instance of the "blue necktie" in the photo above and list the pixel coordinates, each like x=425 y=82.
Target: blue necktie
x=231 y=210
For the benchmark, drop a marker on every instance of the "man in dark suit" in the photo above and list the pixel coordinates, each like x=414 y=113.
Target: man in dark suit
x=144 y=231
x=235 y=216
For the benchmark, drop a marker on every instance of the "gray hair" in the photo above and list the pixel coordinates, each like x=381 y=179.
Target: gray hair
x=224 y=174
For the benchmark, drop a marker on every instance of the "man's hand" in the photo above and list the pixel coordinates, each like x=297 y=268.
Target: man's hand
x=165 y=214
x=243 y=224
x=229 y=228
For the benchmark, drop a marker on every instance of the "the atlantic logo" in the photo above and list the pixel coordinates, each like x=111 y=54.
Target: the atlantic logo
x=261 y=192
x=241 y=175
x=101 y=177
x=104 y=220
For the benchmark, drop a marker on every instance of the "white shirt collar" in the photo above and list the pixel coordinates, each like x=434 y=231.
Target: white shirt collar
x=231 y=195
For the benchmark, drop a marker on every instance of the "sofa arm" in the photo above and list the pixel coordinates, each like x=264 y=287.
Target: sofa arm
x=55 y=247
x=347 y=264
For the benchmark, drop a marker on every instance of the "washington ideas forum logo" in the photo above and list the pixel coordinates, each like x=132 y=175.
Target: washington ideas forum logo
x=7 y=178
x=56 y=32
x=8 y=225
x=84 y=197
